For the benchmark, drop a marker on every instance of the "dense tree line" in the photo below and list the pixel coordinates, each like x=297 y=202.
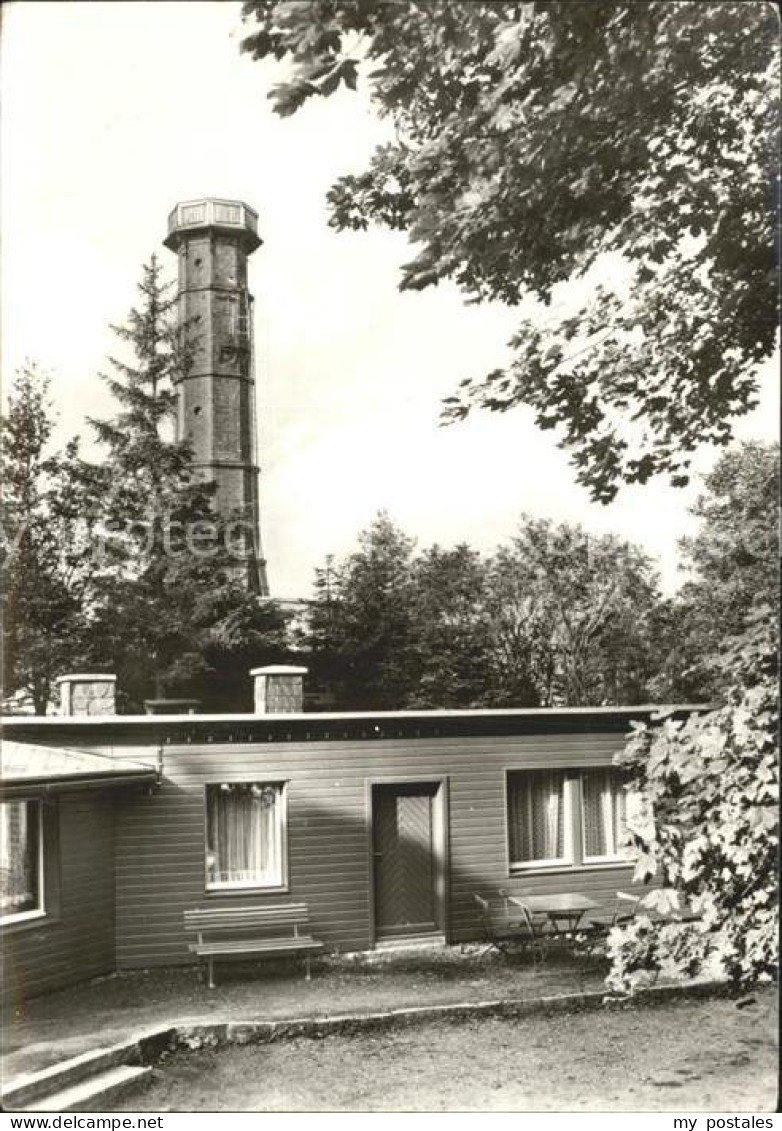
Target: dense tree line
x=96 y=574
x=554 y=617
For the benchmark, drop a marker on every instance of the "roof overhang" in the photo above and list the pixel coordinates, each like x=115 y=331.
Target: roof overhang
x=29 y=767
x=173 y=730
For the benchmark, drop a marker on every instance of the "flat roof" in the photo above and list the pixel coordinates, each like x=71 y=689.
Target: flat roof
x=311 y=716
x=27 y=763
x=319 y=726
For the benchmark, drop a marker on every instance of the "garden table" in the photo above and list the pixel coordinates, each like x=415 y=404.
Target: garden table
x=565 y=906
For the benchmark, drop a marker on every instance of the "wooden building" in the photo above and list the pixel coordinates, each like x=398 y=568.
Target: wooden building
x=383 y=824
x=57 y=840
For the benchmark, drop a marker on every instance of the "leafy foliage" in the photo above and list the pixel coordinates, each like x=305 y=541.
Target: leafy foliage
x=568 y=613
x=450 y=650
x=710 y=830
x=45 y=569
x=731 y=566
x=537 y=140
x=735 y=554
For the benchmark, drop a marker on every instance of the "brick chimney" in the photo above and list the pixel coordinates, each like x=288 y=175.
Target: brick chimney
x=279 y=689
x=88 y=694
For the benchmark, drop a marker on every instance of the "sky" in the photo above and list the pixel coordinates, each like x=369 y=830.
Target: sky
x=113 y=112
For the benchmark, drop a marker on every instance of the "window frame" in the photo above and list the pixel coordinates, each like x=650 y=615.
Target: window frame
x=234 y=319
x=40 y=911
x=237 y=888
x=575 y=858
x=568 y=841
x=606 y=858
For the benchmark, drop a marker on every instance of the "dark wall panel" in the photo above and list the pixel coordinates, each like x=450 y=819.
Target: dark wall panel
x=75 y=940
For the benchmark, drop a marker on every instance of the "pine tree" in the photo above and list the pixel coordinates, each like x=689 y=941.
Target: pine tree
x=169 y=606
x=361 y=621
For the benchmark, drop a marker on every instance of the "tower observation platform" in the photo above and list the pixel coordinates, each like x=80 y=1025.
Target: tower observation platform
x=212 y=239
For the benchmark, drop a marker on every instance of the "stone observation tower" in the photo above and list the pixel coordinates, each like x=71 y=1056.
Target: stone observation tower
x=216 y=413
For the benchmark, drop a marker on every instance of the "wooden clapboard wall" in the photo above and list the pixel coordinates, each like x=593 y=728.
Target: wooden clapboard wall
x=160 y=839
x=75 y=940
x=156 y=849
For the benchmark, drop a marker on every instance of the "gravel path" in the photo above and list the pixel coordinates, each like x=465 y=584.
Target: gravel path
x=705 y=1055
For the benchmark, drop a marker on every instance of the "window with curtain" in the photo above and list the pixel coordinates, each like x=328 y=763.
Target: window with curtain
x=603 y=814
x=244 y=835
x=537 y=817
x=21 y=886
x=566 y=817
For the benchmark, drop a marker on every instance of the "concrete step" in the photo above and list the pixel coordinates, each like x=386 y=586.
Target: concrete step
x=26 y=1090
x=426 y=941
x=95 y=1093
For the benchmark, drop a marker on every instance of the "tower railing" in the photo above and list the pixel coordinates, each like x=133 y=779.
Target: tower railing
x=210 y=212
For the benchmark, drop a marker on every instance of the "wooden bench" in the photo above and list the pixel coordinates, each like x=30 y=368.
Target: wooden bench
x=235 y=932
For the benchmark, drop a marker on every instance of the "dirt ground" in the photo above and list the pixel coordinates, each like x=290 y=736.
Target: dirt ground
x=59 y=1025
x=684 y=1055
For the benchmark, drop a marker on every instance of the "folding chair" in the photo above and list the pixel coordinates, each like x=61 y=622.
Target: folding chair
x=508 y=928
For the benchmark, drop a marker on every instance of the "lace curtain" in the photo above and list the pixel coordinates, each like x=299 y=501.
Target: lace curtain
x=537 y=825
x=244 y=842
x=19 y=856
x=603 y=801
